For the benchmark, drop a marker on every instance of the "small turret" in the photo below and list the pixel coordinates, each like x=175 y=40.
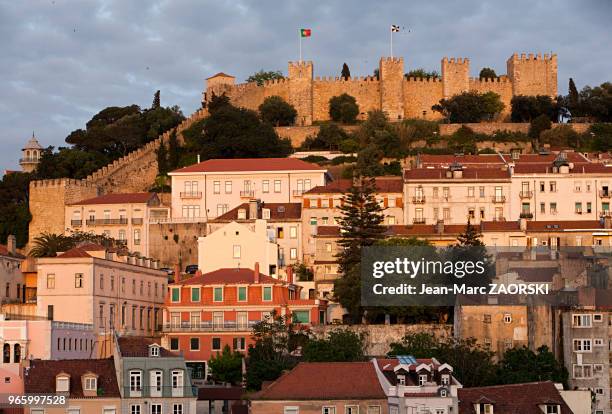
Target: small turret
x=30 y=155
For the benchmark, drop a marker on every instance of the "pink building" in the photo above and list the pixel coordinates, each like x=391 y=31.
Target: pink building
x=212 y=188
x=12 y=284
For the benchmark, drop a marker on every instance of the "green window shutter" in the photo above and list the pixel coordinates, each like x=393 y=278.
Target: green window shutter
x=195 y=295
x=267 y=293
x=218 y=294
x=176 y=294
x=242 y=293
x=301 y=316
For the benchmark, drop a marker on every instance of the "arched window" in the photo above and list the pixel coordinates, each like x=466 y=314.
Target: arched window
x=6 y=354
x=17 y=353
x=27 y=153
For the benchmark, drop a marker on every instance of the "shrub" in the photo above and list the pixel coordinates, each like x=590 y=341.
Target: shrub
x=276 y=111
x=343 y=108
x=538 y=125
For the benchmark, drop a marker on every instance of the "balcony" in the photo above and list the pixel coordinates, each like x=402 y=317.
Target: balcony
x=28 y=160
x=137 y=242
x=525 y=215
x=605 y=193
x=164 y=391
x=247 y=193
x=526 y=194
x=498 y=199
x=418 y=220
x=97 y=222
x=76 y=223
x=208 y=326
x=137 y=221
x=418 y=199
x=191 y=194
x=605 y=213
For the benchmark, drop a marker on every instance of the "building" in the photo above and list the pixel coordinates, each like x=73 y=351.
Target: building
x=90 y=386
x=30 y=155
x=527 y=398
x=205 y=313
x=220 y=400
x=151 y=379
x=24 y=340
x=124 y=217
x=12 y=283
x=324 y=388
x=284 y=225
x=418 y=385
x=211 y=188
x=239 y=245
x=391 y=92
x=113 y=290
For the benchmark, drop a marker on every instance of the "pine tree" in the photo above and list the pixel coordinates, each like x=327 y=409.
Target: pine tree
x=361 y=225
x=173 y=151
x=346 y=73
x=470 y=237
x=162 y=159
x=156 y=101
x=573 y=95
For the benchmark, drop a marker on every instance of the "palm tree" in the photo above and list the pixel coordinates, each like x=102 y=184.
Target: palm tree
x=49 y=244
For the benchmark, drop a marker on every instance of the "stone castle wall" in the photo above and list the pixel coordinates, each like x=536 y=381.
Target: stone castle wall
x=175 y=243
x=397 y=96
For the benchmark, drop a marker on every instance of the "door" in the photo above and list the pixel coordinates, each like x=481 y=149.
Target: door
x=242 y=321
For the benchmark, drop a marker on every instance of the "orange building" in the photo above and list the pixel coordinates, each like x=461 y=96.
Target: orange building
x=209 y=311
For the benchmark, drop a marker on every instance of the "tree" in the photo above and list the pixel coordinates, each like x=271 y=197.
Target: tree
x=470 y=107
x=262 y=76
x=276 y=111
x=226 y=367
x=601 y=137
x=162 y=160
x=361 y=225
x=48 y=245
x=302 y=272
x=596 y=102
x=217 y=102
x=174 y=151
x=346 y=73
x=156 y=101
x=487 y=73
x=343 y=108
x=526 y=108
x=378 y=131
x=563 y=136
x=538 y=125
x=470 y=236
x=376 y=73
x=521 y=365
x=14 y=209
x=329 y=137
x=422 y=73
x=573 y=97
x=340 y=345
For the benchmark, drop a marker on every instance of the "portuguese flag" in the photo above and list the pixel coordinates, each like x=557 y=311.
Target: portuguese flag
x=305 y=32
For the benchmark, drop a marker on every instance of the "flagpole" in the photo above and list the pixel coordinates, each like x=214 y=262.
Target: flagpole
x=300 y=36
x=391 y=42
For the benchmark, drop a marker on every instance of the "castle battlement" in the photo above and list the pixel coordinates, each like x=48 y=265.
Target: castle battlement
x=392 y=59
x=273 y=82
x=500 y=79
x=419 y=79
x=301 y=63
x=458 y=61
x=525 y=57
x=60 y=183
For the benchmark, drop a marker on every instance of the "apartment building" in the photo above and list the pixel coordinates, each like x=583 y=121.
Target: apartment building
x=586 y=353
x=211 y=188
x=456 y=193
x=205 y=313
x=418 y=385
x=12 y=283
x=324 y=387
x=151 y=379
x=283 y=223
x=124 y=217
x=113 y=290
x=321 y=207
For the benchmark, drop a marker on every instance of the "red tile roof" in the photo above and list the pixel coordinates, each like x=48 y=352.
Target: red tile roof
x=469 y=173
x=4 y=252
x=220 y=393
x=535 y=274
x=278 y=211
x=499 y=226
x=119 y=198
x=388 y=364
x=579 y=168
x=483 y=160
x=250 y=164
x=228 y=277
x=574 y=157
x=40 y=377
x=136 y=346
x=220 y=74
x=563 y=225
x=512 y=399
x=325 y=381
x=400 y=230
x=330 y=231
x=341 y=186
x=74 y=253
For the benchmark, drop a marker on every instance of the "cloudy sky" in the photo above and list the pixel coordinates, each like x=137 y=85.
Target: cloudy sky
x=62 y=61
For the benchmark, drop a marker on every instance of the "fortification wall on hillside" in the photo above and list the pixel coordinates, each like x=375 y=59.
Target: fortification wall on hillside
x=491 y=127
x=420 y=94
x=365 y=90
x=175 y=243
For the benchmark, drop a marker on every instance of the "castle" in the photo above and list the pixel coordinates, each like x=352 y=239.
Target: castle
x=399 y=97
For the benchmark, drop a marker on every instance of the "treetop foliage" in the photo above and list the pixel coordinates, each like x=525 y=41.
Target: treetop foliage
x=263 y=76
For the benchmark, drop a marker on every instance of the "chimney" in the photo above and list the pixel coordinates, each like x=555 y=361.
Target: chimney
x=253 y=209
x=177 y=273
x=11 y=244
x=290 y=275
x=256 y=273
x=440 y=227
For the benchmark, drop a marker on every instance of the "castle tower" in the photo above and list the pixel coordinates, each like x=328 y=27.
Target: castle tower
x=300 y=90
x=455 y=76
x=30 y=155
x=533 y=74
x=391 y=72
x=217 y=84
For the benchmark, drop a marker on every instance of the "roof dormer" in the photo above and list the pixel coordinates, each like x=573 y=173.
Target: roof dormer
x=62 y=383
x=89 y=382
x=154 y=350
x=484 y=405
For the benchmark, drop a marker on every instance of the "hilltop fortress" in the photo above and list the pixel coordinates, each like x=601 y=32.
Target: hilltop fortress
x=399 y=97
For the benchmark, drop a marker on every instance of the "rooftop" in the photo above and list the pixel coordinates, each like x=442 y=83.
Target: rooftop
x=483 y=160
x=228 y=277
x=132 y=346
x=278 y=211
x=250 y=165
x=325 y=381
x=341 y=186
x=220 y=75
x=468 y=173
x=119 y=198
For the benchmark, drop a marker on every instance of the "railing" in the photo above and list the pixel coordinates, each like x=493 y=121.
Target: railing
x=137 y=220
x=526 y=215
x=605 y=213
x=499 y=199
x=418 y=220
x=247 y=193
x=160 y=392
x=136 y=242
x=526 y=194
x=91 y=222
x=209 y=326
x=160 y=220
x=76 y=223
x=72 y=325
x=604 y=194
x=29 y=159
x=191 y=194
x=418 y=199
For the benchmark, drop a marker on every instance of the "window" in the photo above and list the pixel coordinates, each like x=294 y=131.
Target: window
x=136 y=236
x=135 y=409
x=597 y=369
x=401 y=379
x=329 y=410
x=218 y=294
x=445 y=192
x=542 y=208
x=313 y=221
x=280 y=233
x=597 y=317
x=293 y=253
x=240 y=344
x=582 y=345
x=301 y=316
x=351 y=409
x=195 y=294
x=101 y=282
x=222 y=209
x=553 y=208
x=267 y=293
x=78 y=280
x=470 y=192
x=486 y=318
x=194 y=344
x=174 y=344
x=191 y=211
x=542 y=187
x=293 y=232
x=265 y=186
x=216 y=344
x=507 y=318
x=177 y=408
x=553 y=186
x=216 y=187
x=582 y=371
x=242 y=293
x=589 y=207
x=373 y=409
x=135 y=381
x=291 y=410
x=445 y=379
x=581 y=321
x=236 y=251
x=90 y=384
x=277 y=186
x=446 y=213
x=50 y=281
x=122 y=235
x=481 y=190
x=422 y=379
x=156 y=409
x=578 y=208
x=176 y=294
